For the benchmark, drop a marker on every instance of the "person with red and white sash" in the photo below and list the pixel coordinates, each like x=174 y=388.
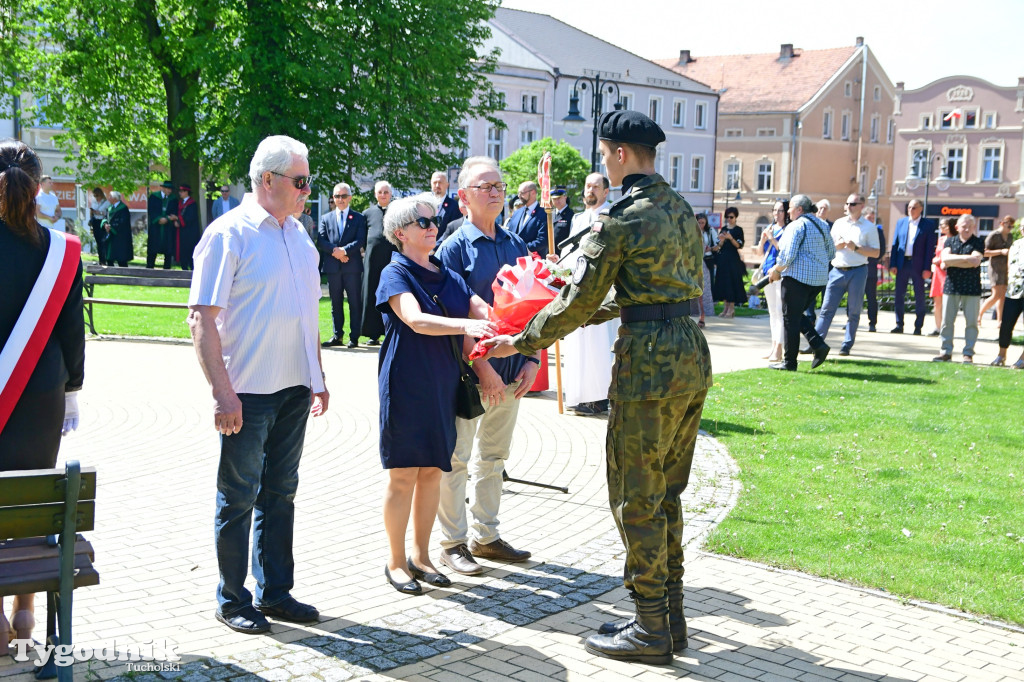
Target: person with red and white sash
x=42 y=337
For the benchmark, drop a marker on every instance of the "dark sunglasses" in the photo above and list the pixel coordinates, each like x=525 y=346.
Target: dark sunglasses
x=342 y=196
x=301 y=182
x=853 y=203
x=427 y=223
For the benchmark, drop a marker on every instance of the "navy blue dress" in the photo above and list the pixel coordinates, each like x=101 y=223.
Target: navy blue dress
x=417 y=374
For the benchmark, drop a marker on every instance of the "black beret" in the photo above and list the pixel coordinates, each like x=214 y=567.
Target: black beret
x=168 y=184
x=630 y=126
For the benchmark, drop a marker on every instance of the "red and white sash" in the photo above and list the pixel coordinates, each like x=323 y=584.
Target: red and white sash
x=20 y=354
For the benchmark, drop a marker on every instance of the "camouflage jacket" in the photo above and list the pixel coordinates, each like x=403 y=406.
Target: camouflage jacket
x=649 y=248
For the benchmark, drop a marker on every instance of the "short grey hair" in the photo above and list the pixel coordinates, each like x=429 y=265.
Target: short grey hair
x=274 y=154
x=968 y=219
x=382 y=183
x=824 y=202
x=341 y=185
x=403 y=212
x=472 y=162
x=116 y=196
x=803 y=202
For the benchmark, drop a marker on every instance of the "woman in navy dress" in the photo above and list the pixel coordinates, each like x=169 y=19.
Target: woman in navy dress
x=424 y=306
x=728 y=286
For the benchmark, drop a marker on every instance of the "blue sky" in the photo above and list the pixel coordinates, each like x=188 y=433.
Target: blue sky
x=915 y=42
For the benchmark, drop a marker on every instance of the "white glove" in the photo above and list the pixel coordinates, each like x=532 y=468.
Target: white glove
x=70 y=413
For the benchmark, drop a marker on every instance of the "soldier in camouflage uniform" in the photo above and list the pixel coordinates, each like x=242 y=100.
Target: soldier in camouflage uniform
x=648 y=247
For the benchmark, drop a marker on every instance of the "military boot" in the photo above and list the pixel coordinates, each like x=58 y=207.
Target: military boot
x=646 y=639
x=676 y=619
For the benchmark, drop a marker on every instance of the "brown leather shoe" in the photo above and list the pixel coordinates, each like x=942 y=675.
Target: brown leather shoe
x=499 y=550
x=460 y=560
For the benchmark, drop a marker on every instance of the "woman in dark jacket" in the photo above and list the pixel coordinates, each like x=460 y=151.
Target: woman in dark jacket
x=730 y=269
x=47 y=406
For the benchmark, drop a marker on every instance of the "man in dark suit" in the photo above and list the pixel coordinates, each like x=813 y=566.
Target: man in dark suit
x=378 y=255
x=447 y=206
x=159 y=206
x=452 y=226
x=340 y=240
x=562 y=218
x=530 y=221
x=910 y=259
x=224 y=204
x=119 y=232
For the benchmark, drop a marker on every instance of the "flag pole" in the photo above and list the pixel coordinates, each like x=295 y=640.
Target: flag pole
x=544 y=176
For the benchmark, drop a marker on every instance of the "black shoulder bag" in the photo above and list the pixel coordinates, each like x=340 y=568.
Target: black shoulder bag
x=467 y=396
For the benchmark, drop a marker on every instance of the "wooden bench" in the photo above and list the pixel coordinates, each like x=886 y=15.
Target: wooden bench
x=41 y=512
x=145 y=277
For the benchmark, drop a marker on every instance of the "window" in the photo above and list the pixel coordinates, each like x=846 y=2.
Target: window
x=971 y=118
x=955 y=163
x=766 y=132
x=654 y=109
x=844 y=126
x=659 y=161
x=679 y=113
x=526 y=136
x=463 y=152
x=764 y=175
x=946 y=119
x=880 y=181
x=991 y=164
x=826 y=125
x=848 y=89
x=530 y=104
x=918 y=159
x=990 y=119
x=734 y=132
x=494 y=147
x=878 y=93
x=926 y=121
x=676 y=172
x=876 y=123
x=863 y=180
x=502 y=103
x=696 y=173
x=700 y=116
x=890 y=133
x=732 y=175
x=626 y=99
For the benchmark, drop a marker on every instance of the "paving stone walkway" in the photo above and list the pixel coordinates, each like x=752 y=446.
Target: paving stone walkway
x=147 y=430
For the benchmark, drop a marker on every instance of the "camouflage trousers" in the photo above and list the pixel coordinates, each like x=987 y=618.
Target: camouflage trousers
x=649 y=452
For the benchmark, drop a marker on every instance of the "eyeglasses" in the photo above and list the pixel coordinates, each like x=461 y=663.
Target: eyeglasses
x=427 y=223
x=853 y=203
x=342 y=196
x=301 y=182
x=488 y=186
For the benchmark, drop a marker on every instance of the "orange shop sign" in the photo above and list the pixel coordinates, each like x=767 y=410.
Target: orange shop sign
x=65 y=191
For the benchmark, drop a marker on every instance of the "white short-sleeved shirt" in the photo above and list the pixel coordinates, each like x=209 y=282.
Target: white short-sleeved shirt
x=264 y=278
x=48 y=202
x=862 y=233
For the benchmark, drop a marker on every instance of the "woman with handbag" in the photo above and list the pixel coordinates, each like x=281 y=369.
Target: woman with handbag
x=426 y=310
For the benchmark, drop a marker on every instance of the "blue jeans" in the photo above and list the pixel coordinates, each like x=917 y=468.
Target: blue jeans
x=850 y=282
x=259 y=471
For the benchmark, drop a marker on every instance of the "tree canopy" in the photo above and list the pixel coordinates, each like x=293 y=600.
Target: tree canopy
x=568 y=167
x=375 y=88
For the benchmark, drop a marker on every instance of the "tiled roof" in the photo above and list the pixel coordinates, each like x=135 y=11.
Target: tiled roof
x=764 y=82
x=576 y=53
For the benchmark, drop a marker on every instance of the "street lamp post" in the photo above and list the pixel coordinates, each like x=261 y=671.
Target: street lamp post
x=942 y=182
x=598 y=88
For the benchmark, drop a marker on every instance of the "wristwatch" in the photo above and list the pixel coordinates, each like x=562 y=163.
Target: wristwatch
x=532 y=359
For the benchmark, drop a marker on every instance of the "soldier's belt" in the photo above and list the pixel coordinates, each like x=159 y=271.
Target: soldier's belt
x=654 y=311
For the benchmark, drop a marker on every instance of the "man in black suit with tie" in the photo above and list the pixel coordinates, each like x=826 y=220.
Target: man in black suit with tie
x=530 y=221
x=447 y=206
x=340 y=238
x=562 y=219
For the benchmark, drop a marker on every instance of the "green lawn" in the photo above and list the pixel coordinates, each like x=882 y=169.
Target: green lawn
x=132 y=321
x=894 y=475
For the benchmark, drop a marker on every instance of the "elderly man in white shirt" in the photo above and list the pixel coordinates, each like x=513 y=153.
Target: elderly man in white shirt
x=588 y=350
x=253 y=316
x=856 y=240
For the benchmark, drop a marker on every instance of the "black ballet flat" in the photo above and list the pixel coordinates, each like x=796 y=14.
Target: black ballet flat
x=435 y=579
x=411 y=587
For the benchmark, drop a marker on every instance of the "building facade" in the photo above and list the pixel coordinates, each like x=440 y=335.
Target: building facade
x=816 y=122
x=960 y=148
x=542 y=60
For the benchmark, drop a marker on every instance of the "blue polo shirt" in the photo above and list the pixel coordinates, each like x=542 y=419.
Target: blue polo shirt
x=477 y=259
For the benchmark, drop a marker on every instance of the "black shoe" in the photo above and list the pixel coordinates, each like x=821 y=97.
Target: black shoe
x=291 y=610
x=783 y=366
x=820 y=354
x=917 y=332
x=353 y=344
x=676 y=619
x=435 y=579
x=411 y=587
x=844 y=352
x=585 y=409
x=945 y=357
x=333 y=341
x=248 y=621
x=934 y=332
x=373 y=342
x=871 y=328
x=647 y=639
x=896 y=330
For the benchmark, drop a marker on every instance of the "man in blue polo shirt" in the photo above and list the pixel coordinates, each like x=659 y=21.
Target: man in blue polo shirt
x=476 y=251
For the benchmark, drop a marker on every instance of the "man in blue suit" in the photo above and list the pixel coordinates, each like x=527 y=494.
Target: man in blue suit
x=447 y=206
x=340 y=239
x=910 y=259
x=224 y=204
x=530 y=221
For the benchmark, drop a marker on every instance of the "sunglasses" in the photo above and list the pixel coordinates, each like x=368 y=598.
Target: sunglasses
x=301 y=182
x=853 y=203
x=341 y=196
x=427 y=223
